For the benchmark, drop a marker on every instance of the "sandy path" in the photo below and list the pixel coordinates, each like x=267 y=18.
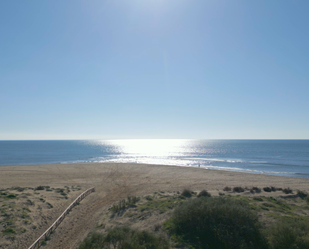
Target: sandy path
x=116 y=181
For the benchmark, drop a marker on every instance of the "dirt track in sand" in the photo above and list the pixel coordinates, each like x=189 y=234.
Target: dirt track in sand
x=116 y=181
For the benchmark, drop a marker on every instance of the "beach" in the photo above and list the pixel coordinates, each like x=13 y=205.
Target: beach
x=113 y=182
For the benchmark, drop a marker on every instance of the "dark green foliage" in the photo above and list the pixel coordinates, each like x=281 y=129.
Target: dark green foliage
x=287 y=191
x=267 y=189
x=11 y=196
x=216 y=223
x=186 y=193
x=49 y=205
x=204 y=193
x=255 y=190
x=29 y=202
x=289 y=234
x=227 y=188
x=8 y=231
x=238 y=189
x=125 y=238
x=270 y=189
x=302 y=194
x=40 y=188
x=93 y=241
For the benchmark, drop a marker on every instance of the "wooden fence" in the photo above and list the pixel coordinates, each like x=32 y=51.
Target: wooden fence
x=53 y=227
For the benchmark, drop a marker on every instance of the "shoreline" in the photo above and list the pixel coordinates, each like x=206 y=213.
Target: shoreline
x=288 y=175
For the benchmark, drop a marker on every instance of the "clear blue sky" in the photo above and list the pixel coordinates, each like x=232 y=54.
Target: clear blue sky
x=116 y=69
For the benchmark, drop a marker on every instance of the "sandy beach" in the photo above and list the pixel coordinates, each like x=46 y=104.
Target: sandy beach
x=114 y=182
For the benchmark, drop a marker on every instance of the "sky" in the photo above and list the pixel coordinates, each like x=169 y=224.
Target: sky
x=147 y=69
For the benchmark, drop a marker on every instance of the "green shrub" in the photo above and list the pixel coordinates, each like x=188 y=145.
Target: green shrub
x=216 y=223
x=40 y=188
x=186 y=193
x=204 y=193
x=267 y=189
x=255 y=190
x=289 y=234
x=302 y=194
x=49 y=205
x=11 y=196
x=227 y=188
x=238 y=189
x=287 y=191
x=29 y=202
x=93 y=241
x=125 y=238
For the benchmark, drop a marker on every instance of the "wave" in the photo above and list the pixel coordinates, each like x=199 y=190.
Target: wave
x=245 y=162
x=226 y=160
x=255 y=171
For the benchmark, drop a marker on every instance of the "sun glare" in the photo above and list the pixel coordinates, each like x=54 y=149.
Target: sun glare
x=149 y=147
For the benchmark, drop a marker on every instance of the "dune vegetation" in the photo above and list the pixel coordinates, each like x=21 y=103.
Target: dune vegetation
x=197 y=220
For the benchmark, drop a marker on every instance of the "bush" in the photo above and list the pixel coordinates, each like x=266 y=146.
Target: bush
x=227 y=188
x=289 y=234
x=204 y=193
x=238 y=189
x=287 y=191
x=271 y=188
x=255 y=190
x=216 y=223
x=11 y=196
x=92 y=241
x=267 y=189
x=125 y=238
x=40 y=188
x=302 y=194
x=186 y=193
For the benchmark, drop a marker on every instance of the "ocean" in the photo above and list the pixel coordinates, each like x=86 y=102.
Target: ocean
x=272 y=157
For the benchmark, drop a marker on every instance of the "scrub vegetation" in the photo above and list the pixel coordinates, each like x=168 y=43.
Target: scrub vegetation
x=24 y=210
x=188 y=219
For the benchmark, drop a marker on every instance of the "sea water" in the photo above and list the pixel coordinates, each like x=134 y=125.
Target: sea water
x=275 y=157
